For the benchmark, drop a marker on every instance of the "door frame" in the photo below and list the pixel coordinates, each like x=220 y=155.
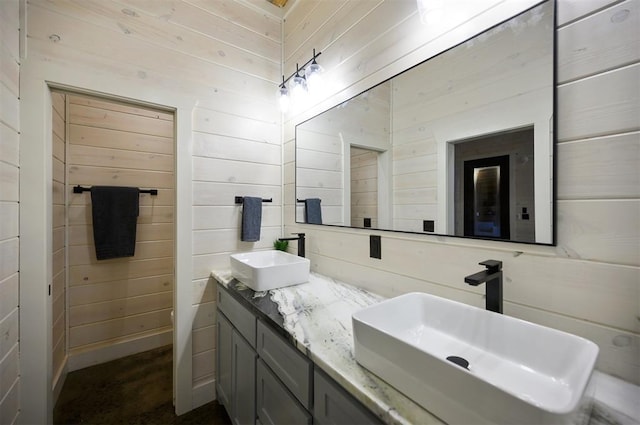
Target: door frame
x=37 y=79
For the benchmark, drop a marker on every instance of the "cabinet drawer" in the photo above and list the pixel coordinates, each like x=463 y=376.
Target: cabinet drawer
x=332 y=405
x=275 y=405
x=293 y=368
x=241 y=318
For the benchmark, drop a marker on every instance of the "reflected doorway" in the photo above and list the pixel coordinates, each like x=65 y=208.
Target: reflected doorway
x=494 y=186
x=364 y=187
x=486 y=197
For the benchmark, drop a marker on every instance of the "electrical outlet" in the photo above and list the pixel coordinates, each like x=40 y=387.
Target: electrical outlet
x=428 y=225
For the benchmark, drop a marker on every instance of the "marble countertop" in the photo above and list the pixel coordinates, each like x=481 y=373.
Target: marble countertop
x=316 y=318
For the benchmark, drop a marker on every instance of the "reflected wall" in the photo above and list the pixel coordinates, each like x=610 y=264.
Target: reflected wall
x=498 y=82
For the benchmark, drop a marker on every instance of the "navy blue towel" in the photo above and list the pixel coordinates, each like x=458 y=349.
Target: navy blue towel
x=251 y=219
x=312 y=211
x=115 y=215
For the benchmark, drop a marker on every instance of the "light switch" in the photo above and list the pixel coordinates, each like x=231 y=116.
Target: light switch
x=375 y=247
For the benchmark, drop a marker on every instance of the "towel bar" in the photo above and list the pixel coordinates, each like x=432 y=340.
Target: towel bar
x=80 y=189
x=240 y=198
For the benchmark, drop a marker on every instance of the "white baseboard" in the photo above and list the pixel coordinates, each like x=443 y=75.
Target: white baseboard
x=118 y=350
x=58 y=381
x=203 y=393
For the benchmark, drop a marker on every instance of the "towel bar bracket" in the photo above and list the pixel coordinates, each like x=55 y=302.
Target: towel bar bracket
x=239 y=200
x=80 y=189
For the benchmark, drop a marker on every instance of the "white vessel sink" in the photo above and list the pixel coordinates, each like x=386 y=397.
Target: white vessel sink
x=265 y=270
x=518 y=372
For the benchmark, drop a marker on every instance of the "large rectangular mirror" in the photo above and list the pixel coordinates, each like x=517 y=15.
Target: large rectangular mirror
x=461 y=144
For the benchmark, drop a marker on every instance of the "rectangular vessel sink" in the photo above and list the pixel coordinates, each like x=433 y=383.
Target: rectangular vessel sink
x=518 y=372
x=265 y=270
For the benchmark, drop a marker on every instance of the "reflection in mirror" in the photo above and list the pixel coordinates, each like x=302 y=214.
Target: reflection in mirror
x=364 y=187
x=487 y=197
x=509 y=157
x=461 y=144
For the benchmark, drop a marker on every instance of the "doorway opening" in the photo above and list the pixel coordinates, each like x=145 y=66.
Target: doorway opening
x=104 y=310
x=494 y=186
x=486 y=197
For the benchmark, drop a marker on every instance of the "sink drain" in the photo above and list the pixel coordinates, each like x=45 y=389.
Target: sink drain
x=459 y=361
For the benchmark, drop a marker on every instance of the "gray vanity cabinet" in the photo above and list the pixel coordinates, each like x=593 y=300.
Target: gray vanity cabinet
x=236 y=361
x=242 y=319
x=275 y=404
x=243 y=388
x=332 y=405
x=224 y=368
x=288 y=364
x=263 y=379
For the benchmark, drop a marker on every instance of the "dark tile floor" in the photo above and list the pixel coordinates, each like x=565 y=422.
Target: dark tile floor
x=132 y=390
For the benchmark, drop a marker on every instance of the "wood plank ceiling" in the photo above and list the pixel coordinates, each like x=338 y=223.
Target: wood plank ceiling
x=279 y=3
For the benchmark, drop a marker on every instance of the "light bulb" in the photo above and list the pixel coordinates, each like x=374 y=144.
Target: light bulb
x=313 y=74
x=283 y=98
x=298 y=87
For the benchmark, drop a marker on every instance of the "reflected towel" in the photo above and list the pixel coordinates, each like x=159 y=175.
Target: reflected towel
x=115 y=215
x=251 y=219
x=312 y=211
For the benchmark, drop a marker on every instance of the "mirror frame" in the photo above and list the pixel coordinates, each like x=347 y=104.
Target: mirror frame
x=553 y=148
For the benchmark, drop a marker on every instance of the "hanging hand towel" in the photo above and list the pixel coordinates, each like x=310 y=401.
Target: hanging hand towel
x=251 y=219
x=312 y=211
x=115 y=215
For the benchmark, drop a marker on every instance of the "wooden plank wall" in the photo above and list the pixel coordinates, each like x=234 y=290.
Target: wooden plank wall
x=123 y=299
x=59 y=245
x=322 y=170
x=223 y=57
x=430 y=107
x=9 y=207
x=232 y=156
x=364 y=186
x=589 y=284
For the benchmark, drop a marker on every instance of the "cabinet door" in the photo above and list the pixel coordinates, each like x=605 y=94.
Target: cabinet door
x=334 y=406
x=243 y=399
x=275 y=404
x=289 y=365
x=223 y=361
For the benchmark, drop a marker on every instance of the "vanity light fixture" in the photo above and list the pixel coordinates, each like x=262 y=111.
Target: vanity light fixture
x=307 y=79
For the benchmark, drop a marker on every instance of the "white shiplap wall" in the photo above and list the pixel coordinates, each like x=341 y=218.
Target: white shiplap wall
x=218 y=64
x=124 y=301
x=9 y=198
x=590 y=283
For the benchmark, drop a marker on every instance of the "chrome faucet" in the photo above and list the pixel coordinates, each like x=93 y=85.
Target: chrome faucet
x=493 y=277
x=300 y=240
